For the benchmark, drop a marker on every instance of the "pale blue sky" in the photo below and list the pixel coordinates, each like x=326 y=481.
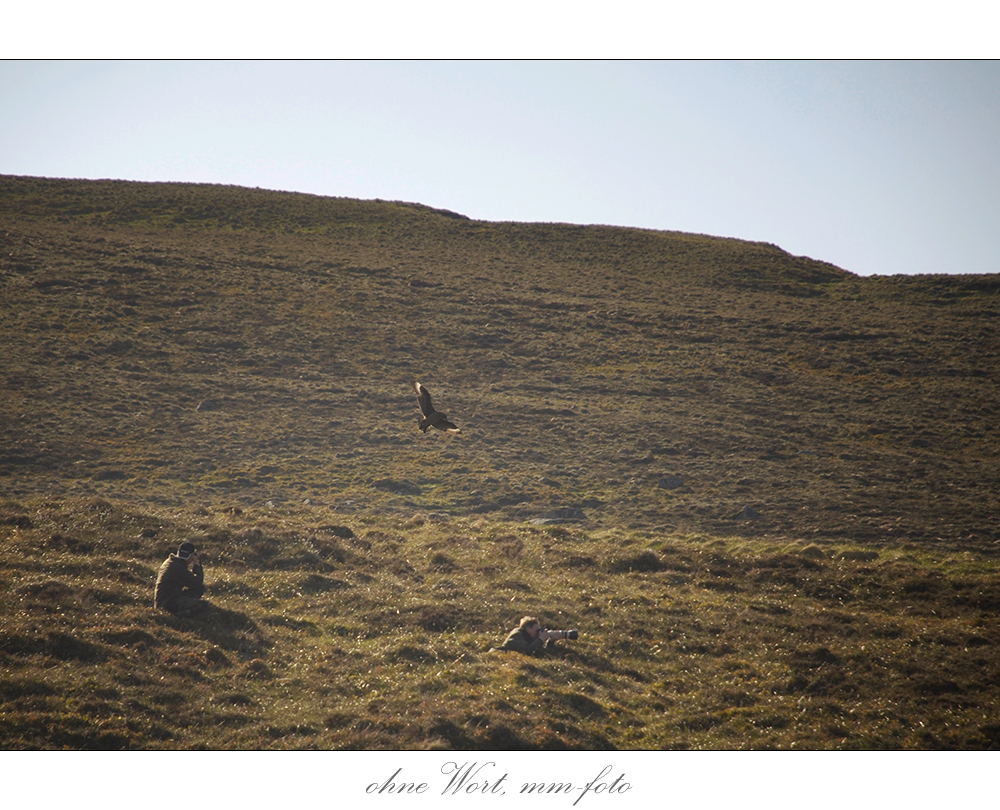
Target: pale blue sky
x=877 y=167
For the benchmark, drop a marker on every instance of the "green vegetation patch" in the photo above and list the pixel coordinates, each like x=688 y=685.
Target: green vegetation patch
x=685 y=642
x=761 y=487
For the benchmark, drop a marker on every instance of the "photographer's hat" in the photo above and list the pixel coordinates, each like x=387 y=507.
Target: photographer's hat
x=185 y=551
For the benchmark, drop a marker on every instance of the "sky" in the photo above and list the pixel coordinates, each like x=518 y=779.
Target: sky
x=878 y=167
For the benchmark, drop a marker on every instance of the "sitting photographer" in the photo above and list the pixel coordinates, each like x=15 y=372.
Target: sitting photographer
x=178 y=589
x=530 y=638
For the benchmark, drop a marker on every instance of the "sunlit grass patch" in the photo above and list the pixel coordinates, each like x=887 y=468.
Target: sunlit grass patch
x=769 y=480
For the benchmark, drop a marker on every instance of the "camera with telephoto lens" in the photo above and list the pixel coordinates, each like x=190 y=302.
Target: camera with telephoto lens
x=557 y=634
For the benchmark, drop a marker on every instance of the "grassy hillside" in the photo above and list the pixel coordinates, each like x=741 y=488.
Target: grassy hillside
x=762 y=487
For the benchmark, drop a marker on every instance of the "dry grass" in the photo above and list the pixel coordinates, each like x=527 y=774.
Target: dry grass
x=235 y=365
x=373 y=633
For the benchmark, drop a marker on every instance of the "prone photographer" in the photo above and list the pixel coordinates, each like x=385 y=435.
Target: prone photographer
x=530 y=638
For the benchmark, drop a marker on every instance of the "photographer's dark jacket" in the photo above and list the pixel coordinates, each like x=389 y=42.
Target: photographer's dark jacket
x=174 y=581
x=519 y=641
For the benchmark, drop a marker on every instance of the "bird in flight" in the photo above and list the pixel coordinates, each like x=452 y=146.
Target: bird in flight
x=432 y=418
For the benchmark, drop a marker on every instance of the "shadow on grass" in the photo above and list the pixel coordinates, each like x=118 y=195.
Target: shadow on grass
x=227 y=629
x=498 y=737
x=57 y=645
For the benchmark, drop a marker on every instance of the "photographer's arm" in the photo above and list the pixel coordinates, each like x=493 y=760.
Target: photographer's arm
x=196 y=577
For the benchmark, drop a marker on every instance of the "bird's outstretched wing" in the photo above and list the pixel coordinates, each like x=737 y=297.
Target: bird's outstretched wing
x=432 y=418
x=424 y=397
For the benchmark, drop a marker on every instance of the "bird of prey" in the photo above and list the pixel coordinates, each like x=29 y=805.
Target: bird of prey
x=432 y=418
